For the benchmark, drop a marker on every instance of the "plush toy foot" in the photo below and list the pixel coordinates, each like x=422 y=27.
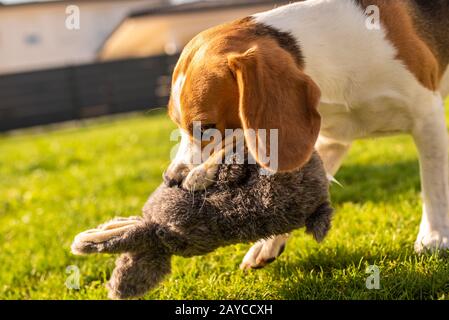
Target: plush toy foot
x=95 y=240
x=137 y=273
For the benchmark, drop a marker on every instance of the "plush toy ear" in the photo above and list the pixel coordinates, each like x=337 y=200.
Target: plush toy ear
x=275 y=94
x=115 y=236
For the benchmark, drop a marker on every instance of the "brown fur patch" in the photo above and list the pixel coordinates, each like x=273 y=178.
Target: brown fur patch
x=212 y=92
x=397 y=18
x=289 y=106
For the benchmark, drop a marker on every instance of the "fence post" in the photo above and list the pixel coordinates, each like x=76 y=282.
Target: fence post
x=72 y=84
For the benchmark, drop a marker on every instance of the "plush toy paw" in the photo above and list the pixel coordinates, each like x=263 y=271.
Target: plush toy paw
x=96 y=240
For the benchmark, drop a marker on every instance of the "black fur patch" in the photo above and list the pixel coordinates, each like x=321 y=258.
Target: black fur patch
x=284 y=39
x=270 y=260
x=432 y=19
x=433 y=7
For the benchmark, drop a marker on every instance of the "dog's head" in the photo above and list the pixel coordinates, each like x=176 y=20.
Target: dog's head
x=249 y=76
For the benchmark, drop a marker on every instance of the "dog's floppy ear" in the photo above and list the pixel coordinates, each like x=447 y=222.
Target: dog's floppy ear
x=275 y=94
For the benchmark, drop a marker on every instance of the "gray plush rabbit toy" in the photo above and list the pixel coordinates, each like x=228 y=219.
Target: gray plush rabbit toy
x=242 y=206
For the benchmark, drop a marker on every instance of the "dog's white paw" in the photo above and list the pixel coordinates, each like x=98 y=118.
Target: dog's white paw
x=432 y=241
x=201 y=177
x=264 y=252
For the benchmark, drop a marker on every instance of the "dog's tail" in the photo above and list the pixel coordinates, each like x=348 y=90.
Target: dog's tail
x=319 y=223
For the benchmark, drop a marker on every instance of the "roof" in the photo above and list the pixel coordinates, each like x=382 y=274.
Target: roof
x=3 y=3
x=196 y=7
x=6 y=3
x=199 y=6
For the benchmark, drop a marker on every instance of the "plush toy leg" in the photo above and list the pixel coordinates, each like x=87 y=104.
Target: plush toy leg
x=137 y=273
x=90 y=241
x=319 y=223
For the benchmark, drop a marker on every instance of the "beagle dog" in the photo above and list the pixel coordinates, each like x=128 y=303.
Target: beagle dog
x=323 y=73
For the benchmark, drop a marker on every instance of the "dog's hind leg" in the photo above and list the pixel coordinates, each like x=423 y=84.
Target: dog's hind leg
x=263 y=252
x=430 y=135
x=332 y=152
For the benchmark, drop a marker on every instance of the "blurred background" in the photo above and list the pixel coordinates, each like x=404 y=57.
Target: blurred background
x=119 y=60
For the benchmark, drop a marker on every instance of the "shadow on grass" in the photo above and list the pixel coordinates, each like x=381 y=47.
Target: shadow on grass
x=340 y=273
x=376 y=183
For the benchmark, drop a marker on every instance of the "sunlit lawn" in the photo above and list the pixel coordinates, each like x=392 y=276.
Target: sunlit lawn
x=57 y=183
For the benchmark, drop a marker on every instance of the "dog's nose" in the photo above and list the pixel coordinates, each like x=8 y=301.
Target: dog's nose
x=169 y=181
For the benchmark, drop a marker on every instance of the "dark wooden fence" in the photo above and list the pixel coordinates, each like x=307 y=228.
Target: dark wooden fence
x=49 y=96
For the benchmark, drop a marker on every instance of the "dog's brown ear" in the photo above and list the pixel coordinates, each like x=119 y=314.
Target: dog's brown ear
x=275 y=94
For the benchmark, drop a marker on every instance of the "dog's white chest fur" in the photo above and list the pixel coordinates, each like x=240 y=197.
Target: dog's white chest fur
x=366 y=90
x=375 y=118
x=445 y=84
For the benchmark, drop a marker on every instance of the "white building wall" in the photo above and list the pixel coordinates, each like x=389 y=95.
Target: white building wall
x=35 y=36
x=167 y=33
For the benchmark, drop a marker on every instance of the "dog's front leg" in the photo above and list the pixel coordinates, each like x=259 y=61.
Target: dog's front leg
x=430 y=135
x=202 y=176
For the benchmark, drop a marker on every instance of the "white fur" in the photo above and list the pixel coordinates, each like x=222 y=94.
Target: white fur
x=187 y=149
x=176 y=93
x=188 y=167
x=187 y=164
x=182 y=162
x=430 y=136
x=367 y=92
x=445 y=84
x=262 y=251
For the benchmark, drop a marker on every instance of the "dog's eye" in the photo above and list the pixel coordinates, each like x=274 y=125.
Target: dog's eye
x=202 y=128
x=205 y=127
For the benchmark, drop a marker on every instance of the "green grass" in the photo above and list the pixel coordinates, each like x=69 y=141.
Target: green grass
x=57 y=183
